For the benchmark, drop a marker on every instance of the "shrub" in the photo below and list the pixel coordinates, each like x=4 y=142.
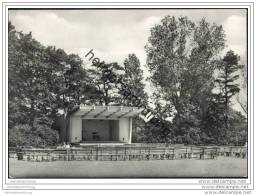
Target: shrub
x=25 y=135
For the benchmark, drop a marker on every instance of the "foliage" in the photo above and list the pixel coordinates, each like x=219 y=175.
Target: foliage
x=182 y=57
x=227 y=81
x=190 y=105
x=133 y=79
x=105 y=78
x=25 y=135
x=43 y=82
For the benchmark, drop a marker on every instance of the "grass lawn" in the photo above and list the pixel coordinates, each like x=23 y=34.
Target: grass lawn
x=222 y=167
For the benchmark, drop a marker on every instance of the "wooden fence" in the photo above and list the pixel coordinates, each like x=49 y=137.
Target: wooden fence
x=124 y=153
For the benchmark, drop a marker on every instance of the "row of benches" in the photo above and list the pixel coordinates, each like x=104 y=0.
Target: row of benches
x=127 y=153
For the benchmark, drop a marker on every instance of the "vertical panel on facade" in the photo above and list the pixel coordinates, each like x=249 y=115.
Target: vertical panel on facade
x=130 y=131
x=75 y=129
x=124 y=127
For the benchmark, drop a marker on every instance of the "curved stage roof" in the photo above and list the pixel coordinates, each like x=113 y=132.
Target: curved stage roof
x=107 y=112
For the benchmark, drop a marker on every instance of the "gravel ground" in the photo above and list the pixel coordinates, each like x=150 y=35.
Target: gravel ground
x=222 y=167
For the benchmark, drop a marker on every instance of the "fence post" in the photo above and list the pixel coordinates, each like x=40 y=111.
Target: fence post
x=67 y=155
x=90 y=157
x=116 y=153
x=125 y=153
x=97 y=150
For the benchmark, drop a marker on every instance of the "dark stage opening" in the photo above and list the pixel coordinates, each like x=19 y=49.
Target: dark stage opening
x=95 y=130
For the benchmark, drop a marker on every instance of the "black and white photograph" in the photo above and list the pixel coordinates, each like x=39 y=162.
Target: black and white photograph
x=127 y=93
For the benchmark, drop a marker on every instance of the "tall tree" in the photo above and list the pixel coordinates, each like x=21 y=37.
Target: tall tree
x=133 y=76
x=105 y=78
x=181 y=59
x=26 y=115
x=68 y=83
x=243 y=101
x=227 y=81
x=43 y=82
x=25 y=79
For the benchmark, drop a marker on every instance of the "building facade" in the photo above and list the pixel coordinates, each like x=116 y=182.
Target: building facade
x=102 y=124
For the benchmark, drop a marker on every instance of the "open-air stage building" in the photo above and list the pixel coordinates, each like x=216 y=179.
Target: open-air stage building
x=102 y=124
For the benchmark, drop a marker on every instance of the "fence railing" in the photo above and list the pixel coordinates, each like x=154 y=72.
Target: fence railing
x=124 y=153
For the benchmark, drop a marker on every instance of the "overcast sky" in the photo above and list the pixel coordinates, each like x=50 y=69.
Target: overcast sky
x=113 y=34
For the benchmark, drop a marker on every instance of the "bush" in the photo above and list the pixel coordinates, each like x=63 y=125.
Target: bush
x=25 y=135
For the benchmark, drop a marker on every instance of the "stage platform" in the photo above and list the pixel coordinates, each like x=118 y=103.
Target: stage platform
x=101 y=143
